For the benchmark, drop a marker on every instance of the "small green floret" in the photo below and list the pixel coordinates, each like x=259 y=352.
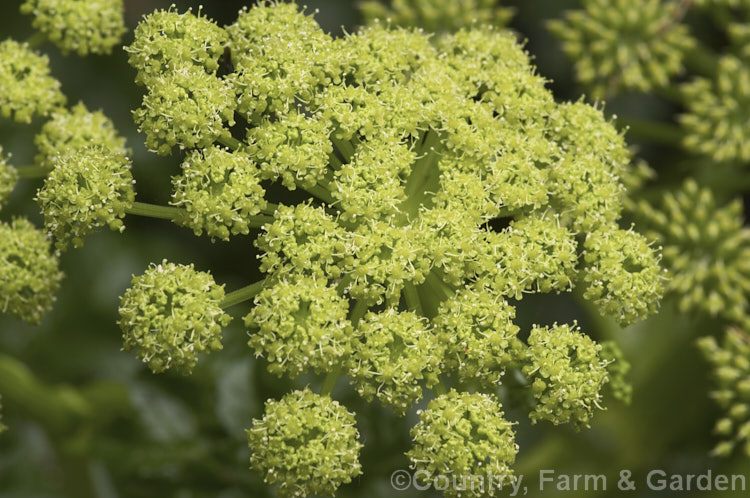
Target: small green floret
x=170 y=314
x=8 y=178
x=625 y=44
x=69 y=130
x=437 y=15
x=87 y=189
x=476 y=325
x=80 y=26
x=621 y=275
x=306 y=444
x=462 y=435
x=166 y=41
x=29 y=271
x=220 y=192
x=393 y=353
x=567 y=374
x=299 y=324
x=28 y=90
x=716 y=122
x=730 y=362
x=186 y=108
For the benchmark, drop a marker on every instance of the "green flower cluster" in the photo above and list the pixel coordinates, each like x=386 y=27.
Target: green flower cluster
x=300 y=324
x=28 y=88
x=621 y=275
x=436 y=15
x=220 y=192
x=306 y=444
x=8 y=178
x=706 y=250
x=625 y=44
x=476 y=326
x=171 y=314
x=70 y=130
x=29 y=271
x=413 y=149
x=567 y=374
x=730 y=361
x=715 y=123
x=81 y=26
x=393 y=352
x=177 y=58
x=87 y=188
x=461 y=435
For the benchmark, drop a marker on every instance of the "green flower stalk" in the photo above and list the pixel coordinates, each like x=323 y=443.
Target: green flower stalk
x=220 y=192
x=88 y=188
x=715 y=123
x=8 y=178
x=29 y=271
x=436 y=15
x=70 y=130
x=730 y=361
x=170 y=315
x=300 y=324
x=567 y=373
x=706 y=250
x=28 y=88
x=461 y=435
x=305 y=444
x=166 y=41
x=393 y=353
x=80 y=26
x=624 y=45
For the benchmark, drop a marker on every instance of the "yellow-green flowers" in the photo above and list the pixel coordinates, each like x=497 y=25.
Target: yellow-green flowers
x=393 y=353
x=715 y=123
x=300 y=324
x=28 y=88
x=567 y=374
x=80 y=26
x=463 y=435
x=69 y=130
x=706 y=250
x=621 y=275
x=8 y=178
x=87 y=188
x=730 y=361
x=436 y=15
x=167 y=41
x=185 y=107
x=305 y=444
x=220 y=192
x=29 y=271
x=624 y=45
x=476 y=326
x=171 y=314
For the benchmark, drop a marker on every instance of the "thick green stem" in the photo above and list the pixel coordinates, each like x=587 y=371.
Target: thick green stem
x=702 y=60
x=36 y=40
x=412 y=298
x=154 y=211
x=230 y=142
x=650 y=131
x=241 y=295
x=30 y=172
x=318 y=191
x=329 y=383
x=439 y=388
